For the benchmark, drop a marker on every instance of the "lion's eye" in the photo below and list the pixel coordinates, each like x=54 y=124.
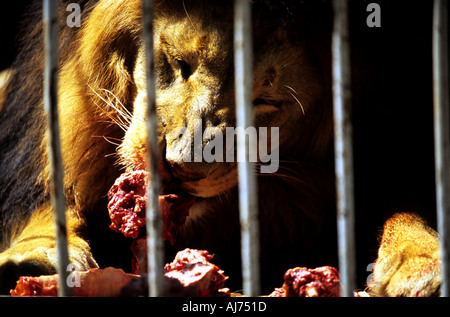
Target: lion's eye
x=185 y=68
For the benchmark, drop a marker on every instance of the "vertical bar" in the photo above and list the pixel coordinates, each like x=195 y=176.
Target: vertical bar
x=154 y=222
x=442 y=136
x=244 y=118
x=58 y=200
x=343 y=147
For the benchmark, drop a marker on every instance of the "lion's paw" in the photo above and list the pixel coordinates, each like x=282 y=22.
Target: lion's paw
x=408 y=259
x=37 y=257
x=413 y=277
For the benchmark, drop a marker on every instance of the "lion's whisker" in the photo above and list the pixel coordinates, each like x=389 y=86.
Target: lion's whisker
x=293 y=93
x=123 y=120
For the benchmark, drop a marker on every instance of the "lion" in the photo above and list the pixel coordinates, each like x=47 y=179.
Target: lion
x=102 y=108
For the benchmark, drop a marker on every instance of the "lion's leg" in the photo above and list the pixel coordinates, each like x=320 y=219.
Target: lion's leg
x=33 y=250
x=408 y=259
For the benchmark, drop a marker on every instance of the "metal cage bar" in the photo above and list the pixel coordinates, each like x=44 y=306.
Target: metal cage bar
x=58 y=199
x=154 y=220
x=343 y=133
x=248 y=205
x=442 y=136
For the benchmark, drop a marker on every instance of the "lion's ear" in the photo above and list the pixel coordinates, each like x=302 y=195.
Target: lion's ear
x=109 y=43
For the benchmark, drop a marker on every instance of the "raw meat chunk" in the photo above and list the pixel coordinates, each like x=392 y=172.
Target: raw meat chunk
x=127 y=206
x=94 y=282
x=303 y=282
x=190 y=274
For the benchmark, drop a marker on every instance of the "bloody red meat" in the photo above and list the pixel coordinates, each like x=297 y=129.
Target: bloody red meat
x=303 y=282
x=106 y=282
x=190 y=274
x=127 y=206
x=127 y=202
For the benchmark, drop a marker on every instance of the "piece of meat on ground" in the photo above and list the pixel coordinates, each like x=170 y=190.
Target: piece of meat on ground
x=106 y=282
x=303 y=282
x=190 y=274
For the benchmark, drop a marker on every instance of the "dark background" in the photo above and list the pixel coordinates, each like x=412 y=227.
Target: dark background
x=393 y=135
x=10 y=16
x=393 y=119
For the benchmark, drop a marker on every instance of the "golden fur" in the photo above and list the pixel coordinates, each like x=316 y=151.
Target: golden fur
x=408 y=259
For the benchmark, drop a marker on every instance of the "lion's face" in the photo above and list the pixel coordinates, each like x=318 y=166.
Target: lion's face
x=195 y=91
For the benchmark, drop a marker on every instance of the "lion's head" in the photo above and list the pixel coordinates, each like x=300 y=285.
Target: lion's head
x=194 y=67
x=195 y=91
